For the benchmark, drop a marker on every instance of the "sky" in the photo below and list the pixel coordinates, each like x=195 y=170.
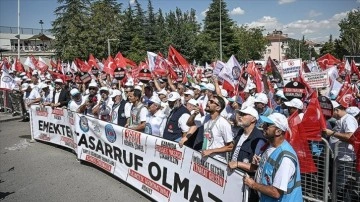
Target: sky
x=315 y=19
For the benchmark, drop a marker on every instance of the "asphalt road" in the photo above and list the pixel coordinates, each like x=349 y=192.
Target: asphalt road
x=42 y=172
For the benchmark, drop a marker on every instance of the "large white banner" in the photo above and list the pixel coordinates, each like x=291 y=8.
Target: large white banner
x=155 y=166
x=290 y=68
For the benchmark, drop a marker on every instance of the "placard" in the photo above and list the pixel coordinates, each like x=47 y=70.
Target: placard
x=317 y=79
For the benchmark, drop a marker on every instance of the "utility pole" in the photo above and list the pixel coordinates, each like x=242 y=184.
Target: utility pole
x=18 y=30
x=220 y=35
x=108 y=42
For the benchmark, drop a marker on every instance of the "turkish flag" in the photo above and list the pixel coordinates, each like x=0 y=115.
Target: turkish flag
x=327 y=60
x=313 y=121
x=120 y=60
x=355 y=141
x=53 y=64
x=345 y=96
x=176 y=58
x=18 y=66
x=84 y=67
x=354 y=69
x=42 y=66
x=300 y=144
x=109 y=65
x=92 y=61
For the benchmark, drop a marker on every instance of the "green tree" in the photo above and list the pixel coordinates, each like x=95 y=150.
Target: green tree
x=340 y=50
x=150 y=30
x=127 y=31
x=70 y=29
x=350 y=32
x=328 y=47
x=212 y=28
x=161 y=33
x=206 y=50
x=251 y=42
x=104 y=24
x=294 y=46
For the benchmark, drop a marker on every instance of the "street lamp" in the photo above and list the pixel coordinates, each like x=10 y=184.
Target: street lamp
x=41 y=23
x=108 y=42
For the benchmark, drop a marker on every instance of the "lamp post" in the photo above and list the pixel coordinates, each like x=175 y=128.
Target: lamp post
x=108 y=42
x=41 y=23
x=220 y=34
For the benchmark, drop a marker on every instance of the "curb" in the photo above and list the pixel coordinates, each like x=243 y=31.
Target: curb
x=10 y=119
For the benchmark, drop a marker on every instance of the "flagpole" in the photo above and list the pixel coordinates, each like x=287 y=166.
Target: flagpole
x=18 y=30
x=220 y=35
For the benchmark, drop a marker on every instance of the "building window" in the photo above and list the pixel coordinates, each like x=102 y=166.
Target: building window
x=268 y=51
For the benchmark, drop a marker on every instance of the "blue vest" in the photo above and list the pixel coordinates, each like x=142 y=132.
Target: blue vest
x=294 y=191
x=172 y=130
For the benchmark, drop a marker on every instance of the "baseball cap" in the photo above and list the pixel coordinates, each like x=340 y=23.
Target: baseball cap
x=335 y=104
x=58 y=81
x=189 y=92
x=24 y=77
x=279 y=120
x=138 y=87
x=115 y=93
x=251 y=111
x=22 y=74
x=261 y=97
x=224 y=93
x=155 y=99
x=204 y=80
x=162 y=92
x=24 y=86
x=193 y=102
x=280 y=93
x=93 y=84
x=236 y=99
x=74 y=92
x=295 y=102
x=104 y=89
x=210 y=87
x=42 y=85
x=353 y=111
x=173 y=96
x=196 y=87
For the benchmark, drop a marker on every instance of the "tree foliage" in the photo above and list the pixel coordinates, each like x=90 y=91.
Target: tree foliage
x=350 y=32
x=88 y=26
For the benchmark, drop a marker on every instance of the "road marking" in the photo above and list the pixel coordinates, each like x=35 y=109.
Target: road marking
x=22 y=145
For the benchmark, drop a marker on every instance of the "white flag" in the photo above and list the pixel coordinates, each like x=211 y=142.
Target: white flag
x=29 y=63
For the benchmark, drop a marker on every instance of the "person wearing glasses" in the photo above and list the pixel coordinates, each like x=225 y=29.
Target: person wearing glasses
x=218 y=136
x=118 y=108
x=176 y=126
x=103 y=108
x=61 y=96
x=155 y=119
x=277 y=177
x=189 y=94
x=248 y=142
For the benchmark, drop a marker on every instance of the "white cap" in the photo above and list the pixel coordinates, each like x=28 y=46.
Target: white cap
x=140 y=84
x=129 y=83
x=93 y=84
x=193 y=102
x=115 y=93
x=251 y=111
x=59 y=81
x=189 y=92
x=210 y=87
x=42 y=85
x=104 y=89
x=295 y=102
x=280 y=93
x=249 y=87
x=279 y=120
x=24 y=86
x=196 y=87
x=155 y=99
x=335 y=104
x=162 y=92
x=173 y=96
x=31 y=85
x=74 y=92
x=261 y=97
x=204 y=80
x=353 y=111
x=11 y=72
x=138 y=87
x=23 y=74
x=224 y=93
x=24 y=77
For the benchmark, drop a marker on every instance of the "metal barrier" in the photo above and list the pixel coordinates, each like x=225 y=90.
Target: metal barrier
x=5 y=104
x=10 y=102
x=346 y=178
x=315 y=185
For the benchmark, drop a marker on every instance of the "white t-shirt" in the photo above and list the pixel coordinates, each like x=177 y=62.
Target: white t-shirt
x=221 y=133
x=127 y=109
x=182 y=122
x=156 y=123
x=347 y=124
x=74 y=106
x=34 y=94
x=282 y=176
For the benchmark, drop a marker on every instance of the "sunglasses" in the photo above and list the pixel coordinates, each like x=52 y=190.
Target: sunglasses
x=267 y=125
x=242 y=114
x=92 y=88
x=213 y=102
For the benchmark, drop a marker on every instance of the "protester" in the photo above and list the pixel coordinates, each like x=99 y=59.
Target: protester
x=60 y=95
x=156 y=119
x=118 y=109
x=344 y=129
x=137 y=118
x=295 y=105
x=76 y=100
x=176 y=122
x=31 y=96
x=278 y=174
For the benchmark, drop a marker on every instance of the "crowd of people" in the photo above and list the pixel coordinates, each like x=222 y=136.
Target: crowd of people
x=246 y=132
